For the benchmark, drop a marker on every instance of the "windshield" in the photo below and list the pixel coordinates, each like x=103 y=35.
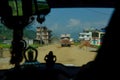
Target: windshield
x=73 y=34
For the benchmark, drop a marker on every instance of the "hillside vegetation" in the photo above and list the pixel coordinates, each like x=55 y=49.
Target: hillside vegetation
x=6 y=34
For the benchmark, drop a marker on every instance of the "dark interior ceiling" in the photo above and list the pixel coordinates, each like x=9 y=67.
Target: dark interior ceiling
x=82 y=3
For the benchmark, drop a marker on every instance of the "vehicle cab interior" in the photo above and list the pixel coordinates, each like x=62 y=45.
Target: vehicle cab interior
x=17 y=14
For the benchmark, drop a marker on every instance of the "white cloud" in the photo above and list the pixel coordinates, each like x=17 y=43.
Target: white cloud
x=55 y=26
x=73 y=23
x=98 y=24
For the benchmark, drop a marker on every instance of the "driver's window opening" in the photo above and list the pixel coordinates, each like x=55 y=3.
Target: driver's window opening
x=73 y=35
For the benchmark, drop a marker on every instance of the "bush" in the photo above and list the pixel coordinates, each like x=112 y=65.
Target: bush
x=36 y=45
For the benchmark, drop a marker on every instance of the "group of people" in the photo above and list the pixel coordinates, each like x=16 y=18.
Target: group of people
x=85 y=43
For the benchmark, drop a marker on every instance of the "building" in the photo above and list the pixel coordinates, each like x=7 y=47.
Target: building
x=85 y=36
x=95 y=36
x=43 y=35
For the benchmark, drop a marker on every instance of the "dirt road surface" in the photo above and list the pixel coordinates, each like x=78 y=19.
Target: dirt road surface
x=66 y=55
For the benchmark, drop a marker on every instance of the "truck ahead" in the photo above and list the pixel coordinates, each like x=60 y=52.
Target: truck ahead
x=65 y=40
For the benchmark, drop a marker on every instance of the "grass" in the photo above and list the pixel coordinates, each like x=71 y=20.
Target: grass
x=76 y=43
x=4 y=45
x=8 y=45
x=36 y=45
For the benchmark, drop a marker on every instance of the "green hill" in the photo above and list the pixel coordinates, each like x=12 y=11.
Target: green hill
x=6 y=33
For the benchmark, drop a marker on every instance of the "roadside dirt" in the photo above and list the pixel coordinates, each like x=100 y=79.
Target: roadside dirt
x=66 y=55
